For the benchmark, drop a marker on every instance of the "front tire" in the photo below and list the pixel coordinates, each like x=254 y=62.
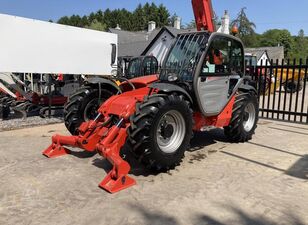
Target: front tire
x=160 y=131
x=244 y=118
x=82 y=106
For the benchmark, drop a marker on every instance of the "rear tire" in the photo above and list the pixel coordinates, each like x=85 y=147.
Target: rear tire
x=82 y=106
x=293 y=87
x=160 y=131
x=244 y=118
x=4 y=111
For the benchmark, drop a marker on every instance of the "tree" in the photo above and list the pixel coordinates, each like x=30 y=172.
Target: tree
x=191 y=25
x=276 y=37
x=131 y=21
x=139 y=18
x=246 y=28
x=163 y=15
x=300 y=47
x=96 y=25
x=64 y=20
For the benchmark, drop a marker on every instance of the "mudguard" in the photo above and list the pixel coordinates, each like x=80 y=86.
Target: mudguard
x=104 y=81
x=248 y=87
x=169 y=88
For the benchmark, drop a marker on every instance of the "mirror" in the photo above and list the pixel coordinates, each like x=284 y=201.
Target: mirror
x=113 y=54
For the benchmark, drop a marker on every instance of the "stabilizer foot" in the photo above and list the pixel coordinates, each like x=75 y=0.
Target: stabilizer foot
x=115 y=185
x=54 y=151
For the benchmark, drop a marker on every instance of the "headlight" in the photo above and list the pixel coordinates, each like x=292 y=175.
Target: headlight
x=172 y=77
x=114 y=72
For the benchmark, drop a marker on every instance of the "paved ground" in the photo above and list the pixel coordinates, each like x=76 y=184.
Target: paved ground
x=261 y=182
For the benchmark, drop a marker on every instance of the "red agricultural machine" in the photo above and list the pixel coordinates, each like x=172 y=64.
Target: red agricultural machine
x=17 y=99
x=201 y=85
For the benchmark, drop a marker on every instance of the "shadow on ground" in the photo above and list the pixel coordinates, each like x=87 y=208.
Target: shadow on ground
x=205 y=139
x=239 y=217
x=198 y=142
x=299 y=169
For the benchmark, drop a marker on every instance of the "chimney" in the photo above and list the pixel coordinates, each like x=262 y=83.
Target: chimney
x=151 y=26
x=177 y=23
x=118 y=27
x=225 y=23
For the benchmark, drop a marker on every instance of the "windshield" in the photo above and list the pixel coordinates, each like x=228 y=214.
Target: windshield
x=184 y=56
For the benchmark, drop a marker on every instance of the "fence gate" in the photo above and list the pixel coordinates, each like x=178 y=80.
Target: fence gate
x=282 y=89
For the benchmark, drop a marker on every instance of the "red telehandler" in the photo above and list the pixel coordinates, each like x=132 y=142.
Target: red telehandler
x=201 y=85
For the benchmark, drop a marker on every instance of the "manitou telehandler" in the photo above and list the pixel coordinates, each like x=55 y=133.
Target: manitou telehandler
x=201 y=85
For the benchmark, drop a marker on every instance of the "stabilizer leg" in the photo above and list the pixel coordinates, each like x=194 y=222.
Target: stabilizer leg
x=117 y=179
x=115 y=185
x=56 y=149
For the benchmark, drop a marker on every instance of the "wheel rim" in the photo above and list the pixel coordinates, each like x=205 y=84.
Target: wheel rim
x=170 y=131
x=90 y=111
x=249 y=117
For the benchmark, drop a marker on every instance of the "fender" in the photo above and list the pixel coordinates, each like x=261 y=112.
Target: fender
x=248 y=87
x=168 y=88
x=104 y=81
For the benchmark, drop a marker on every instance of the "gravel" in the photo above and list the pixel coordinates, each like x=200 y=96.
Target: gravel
x=14 y=124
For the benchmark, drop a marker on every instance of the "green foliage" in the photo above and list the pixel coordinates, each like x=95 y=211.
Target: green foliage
x=191 y=25
x=130 y=21
x=96 y=25
x=294 y=46
x=300 y=47
x=277 y=37
x=246 y=28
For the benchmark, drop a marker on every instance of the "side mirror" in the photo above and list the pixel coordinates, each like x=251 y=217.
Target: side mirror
x=113 y=53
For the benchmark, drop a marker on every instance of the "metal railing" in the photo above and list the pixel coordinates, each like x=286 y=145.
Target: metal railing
x=282 y=89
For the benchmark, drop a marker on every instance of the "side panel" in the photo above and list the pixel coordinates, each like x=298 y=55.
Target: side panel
x=34 y=46
x=161 y=47
x=213 y=94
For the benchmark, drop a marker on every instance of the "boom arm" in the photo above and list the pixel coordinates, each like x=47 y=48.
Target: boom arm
x=204 y=15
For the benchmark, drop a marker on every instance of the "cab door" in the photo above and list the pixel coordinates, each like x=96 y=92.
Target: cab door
x=221 y=71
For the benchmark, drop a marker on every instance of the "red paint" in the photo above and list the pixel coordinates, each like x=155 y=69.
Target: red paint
x=221 y=120
x=203 y=15
x=139 y=82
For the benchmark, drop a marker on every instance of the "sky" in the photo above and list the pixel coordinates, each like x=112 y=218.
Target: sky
x=266 y=14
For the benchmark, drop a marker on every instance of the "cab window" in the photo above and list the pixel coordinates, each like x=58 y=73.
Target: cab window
x=224 y=57
x=150 y=66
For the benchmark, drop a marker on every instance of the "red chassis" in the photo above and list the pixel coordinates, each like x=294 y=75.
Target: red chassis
x=107 y=139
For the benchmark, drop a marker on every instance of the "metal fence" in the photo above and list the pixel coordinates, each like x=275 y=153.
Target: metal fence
x=282 y=89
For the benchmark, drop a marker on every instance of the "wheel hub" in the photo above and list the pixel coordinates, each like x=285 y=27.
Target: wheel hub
x=170 y=131
x=249 y=117
x=166 y=131
x=90 y=111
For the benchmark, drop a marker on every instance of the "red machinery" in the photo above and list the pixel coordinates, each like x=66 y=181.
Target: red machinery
x=204 y=15
x=156 y=116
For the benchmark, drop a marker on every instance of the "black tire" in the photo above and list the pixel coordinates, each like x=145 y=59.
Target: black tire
x=142 y=134
x=237 y=131
x=4 y=111
x=293 y=87
x=77 y=111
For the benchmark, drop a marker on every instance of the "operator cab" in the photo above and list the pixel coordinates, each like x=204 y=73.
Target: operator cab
x=142 y=66
x=209 y=66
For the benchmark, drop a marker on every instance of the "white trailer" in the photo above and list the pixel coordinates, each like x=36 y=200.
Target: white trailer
x=33 y=46
x=36 y=47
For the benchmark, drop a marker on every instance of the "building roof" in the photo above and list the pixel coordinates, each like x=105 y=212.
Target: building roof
x=274 y=53
x=137 y=43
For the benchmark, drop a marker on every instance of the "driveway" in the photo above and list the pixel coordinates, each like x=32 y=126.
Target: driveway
x=261 y=182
